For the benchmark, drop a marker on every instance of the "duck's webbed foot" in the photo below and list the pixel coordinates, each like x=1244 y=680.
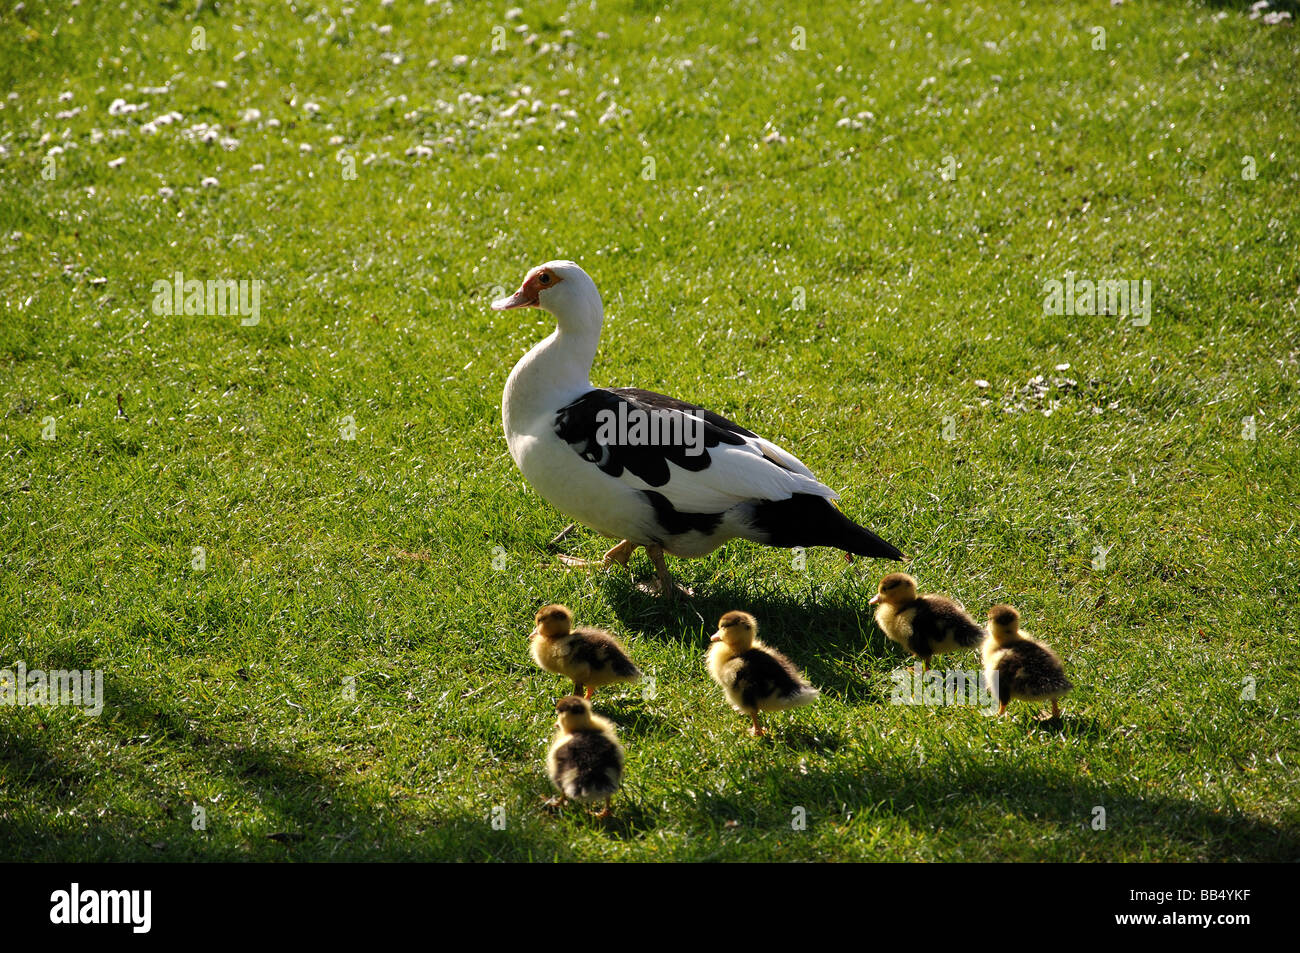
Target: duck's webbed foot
x=621 y=553
x=664 y=584
x=617 y=554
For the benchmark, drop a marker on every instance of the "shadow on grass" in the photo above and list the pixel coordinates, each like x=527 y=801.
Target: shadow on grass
x=822 y=633
x=633 y=717
x=629 y=821
x=956 y=795
x=308 y=810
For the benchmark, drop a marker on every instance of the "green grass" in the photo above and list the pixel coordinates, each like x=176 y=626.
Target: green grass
x=372 y=559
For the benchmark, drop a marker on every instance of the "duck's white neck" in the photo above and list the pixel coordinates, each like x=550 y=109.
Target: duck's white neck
x=554 y=373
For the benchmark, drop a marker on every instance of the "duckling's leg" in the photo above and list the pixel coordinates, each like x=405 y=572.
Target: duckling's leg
x=591 y=693
x=577 y=689
x=556 y=801
x=1002 y=708
x=757 y=730
x=606 y=812
x=664 y=585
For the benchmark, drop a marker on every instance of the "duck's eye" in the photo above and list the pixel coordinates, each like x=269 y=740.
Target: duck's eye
x=544 y=278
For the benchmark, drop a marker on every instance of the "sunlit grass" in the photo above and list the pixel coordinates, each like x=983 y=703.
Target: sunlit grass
x=347 y=676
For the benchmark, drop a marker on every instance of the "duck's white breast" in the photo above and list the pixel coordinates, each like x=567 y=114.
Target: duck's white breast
x=581 y=490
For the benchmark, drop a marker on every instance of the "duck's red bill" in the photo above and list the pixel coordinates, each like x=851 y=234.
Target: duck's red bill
x=523 y=298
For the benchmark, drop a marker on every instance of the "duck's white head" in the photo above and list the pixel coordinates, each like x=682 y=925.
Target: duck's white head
x=563 y=289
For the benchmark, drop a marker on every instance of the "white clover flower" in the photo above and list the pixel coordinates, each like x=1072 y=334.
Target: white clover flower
x=120 y=107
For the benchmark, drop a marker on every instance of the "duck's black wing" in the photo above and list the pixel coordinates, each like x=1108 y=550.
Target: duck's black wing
x=634 y=435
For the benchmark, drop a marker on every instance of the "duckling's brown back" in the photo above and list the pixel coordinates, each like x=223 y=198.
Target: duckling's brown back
x=939 y=621
x=600 y=651
x=765 y=673
x=1031 y=669
x=589 y=765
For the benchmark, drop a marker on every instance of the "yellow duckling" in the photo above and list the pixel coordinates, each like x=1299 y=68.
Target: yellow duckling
x=1024 y=667
x=754 y=676
x=591 y=657
x=926 y=625
x=585 y=761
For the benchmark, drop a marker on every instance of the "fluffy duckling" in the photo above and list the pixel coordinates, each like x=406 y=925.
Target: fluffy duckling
x=926 y=625
x=585 y=761
x=591 y=657
x=1025 y=668
x=754 y=676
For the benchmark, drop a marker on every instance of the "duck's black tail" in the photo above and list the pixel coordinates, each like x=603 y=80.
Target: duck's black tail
x=807 y=520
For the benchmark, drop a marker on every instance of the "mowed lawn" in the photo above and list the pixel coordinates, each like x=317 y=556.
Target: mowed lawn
x=835 y=224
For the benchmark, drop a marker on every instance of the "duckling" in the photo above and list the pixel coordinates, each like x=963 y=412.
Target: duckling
x=585 y=761
x=927 y=625
x=1024 y=667
x=755 y=676
x=591 y=657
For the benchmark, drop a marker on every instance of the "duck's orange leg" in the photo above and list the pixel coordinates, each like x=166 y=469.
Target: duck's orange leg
x=664 y=585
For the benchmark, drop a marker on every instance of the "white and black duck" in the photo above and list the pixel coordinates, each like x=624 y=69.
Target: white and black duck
x=647 y=469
